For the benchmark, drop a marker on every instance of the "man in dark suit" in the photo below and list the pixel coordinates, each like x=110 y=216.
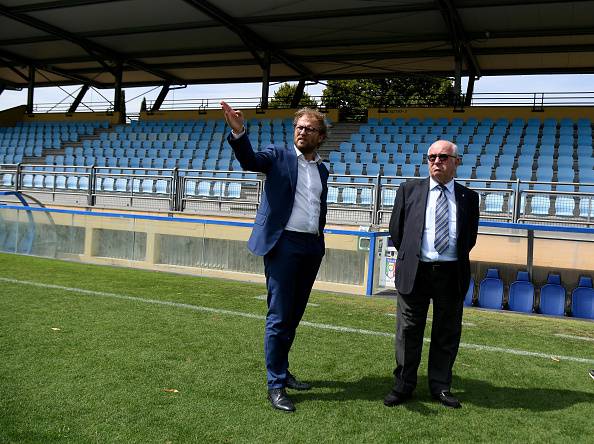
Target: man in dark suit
x=433 y=226
x=289 y=232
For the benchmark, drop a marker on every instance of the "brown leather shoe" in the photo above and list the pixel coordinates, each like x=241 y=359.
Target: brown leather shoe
x=280 y=401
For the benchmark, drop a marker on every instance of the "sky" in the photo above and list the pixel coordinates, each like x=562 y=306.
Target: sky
x=485 y=85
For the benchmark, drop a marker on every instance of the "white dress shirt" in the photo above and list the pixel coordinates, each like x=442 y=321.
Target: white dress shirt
x=305 y=216
x=428 y=251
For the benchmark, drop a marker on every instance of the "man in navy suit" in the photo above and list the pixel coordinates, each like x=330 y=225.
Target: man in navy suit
x=433 y=226
x=289 y=232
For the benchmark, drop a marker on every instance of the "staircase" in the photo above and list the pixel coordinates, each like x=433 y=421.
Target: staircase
x=339 y=132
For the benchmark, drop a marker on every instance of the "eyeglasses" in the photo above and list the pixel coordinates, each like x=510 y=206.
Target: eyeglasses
x=443 y=157
x=306 y=129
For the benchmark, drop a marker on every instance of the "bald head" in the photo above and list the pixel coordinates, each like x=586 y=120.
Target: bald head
x=442 y=159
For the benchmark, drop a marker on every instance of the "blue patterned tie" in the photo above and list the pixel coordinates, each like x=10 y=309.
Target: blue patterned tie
x=442 y=222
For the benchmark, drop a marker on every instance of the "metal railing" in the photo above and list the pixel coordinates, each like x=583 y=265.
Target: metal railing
x=352 y=200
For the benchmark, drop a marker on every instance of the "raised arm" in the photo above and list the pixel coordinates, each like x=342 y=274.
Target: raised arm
x=233 y=118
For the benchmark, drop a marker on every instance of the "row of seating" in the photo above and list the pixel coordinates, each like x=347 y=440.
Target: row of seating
x=471 y=159
x=465 y=139
x=544 y=173
x=210 y=163
x=187 y=153
x=476 y=130
x=486 y=121
x=286 y=122
x=142 y=183
x=522 y=295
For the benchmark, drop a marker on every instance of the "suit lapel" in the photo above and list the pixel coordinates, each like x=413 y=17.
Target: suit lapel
x=292 y=167
x=460 y=207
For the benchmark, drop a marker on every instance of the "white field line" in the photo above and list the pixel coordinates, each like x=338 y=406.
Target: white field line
x=264 y=297
x=580 y=338
x=306 y=323
x=429 y=319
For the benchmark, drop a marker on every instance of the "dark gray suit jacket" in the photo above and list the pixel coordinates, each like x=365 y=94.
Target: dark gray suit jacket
x=408 y=222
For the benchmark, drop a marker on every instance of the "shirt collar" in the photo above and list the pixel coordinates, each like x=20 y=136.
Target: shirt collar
x=317 y=158
x=449 y=186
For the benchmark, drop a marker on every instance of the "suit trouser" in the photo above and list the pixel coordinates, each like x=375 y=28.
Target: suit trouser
x=440 y=283
x=291 y=268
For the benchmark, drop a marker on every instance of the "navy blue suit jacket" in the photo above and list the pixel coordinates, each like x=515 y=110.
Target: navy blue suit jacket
x=408 y=222
x=280 y=166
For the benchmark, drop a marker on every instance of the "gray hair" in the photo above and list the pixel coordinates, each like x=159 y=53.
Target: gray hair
x=442 y=141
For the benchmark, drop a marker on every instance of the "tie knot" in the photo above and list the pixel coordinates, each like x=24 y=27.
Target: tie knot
x=442 y=188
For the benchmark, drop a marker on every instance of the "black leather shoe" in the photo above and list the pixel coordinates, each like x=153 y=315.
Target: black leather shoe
x=591 y=373
x=395 y=398
x=294 y=384
x=447 y=399
x=280 y=401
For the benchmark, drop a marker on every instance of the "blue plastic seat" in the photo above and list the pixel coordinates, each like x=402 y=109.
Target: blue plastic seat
x=349 y=195
x=491 y=290
x=582 y=299
x=552 y=296
x=234 y=190
x=540 y=205
x=494 y=203
x=366 y=196
x=564 y=206
x=521 y=293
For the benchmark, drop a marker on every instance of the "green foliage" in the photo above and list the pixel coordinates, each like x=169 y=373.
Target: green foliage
x=284 y=95
x=354 y=97
x=119 y=366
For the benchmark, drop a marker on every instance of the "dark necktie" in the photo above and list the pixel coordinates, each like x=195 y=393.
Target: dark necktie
x=442 y=222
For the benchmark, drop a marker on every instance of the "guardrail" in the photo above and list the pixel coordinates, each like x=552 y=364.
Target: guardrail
x=535 y=100
x=352 y=200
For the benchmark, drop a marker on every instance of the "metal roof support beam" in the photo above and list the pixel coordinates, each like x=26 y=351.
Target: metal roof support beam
x=469 y=90
x=117 y=94
x=30 y=90
x=79 y=98
x=457 y=81
x=252 y=40
x=16 y=59
x=97 y=51
x=298 y=94
x=460 y=41
x=161 y=97
x=265 y=81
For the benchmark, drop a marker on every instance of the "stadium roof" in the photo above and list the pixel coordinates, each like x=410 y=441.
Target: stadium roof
x=192 y=41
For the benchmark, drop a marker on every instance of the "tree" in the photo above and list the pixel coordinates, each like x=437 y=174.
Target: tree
x=354 y=97
x=284 y=94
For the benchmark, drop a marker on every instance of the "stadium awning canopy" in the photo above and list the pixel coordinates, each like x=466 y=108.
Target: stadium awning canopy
x=178 y=42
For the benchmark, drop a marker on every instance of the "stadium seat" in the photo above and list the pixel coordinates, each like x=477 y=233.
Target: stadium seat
x=388 y=196
x=521 y=293
x=366 y=197
x=349 y=195
x=582 y=299
x=494 y=203
x=540 y=205
x=491 y=290
x=332 y=196
x=564 y=206
x=552 y=296
x=234 y=190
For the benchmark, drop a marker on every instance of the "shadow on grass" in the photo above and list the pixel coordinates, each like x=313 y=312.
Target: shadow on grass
x=469 y=391
x=483 y=394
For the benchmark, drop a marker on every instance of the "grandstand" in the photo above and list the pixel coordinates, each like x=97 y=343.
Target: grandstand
x=117 y=352
x=531 y=164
